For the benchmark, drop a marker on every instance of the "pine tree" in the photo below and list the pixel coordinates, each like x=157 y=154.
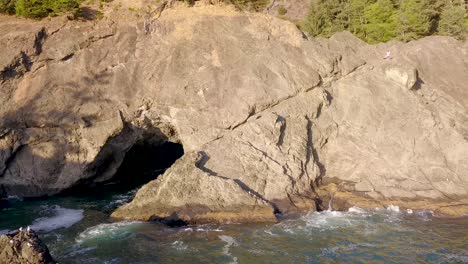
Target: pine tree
x=381 y=21
x=452 y=21
x=415 y=19
x=325 y=18
x=7 y=6
x=354 y=11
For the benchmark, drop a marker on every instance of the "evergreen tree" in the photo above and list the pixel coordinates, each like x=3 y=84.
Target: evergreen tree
x=354 y=11
x=453 y=21
x=7 y=6
x=325 y=18
x=381 y=21
x=415 y=19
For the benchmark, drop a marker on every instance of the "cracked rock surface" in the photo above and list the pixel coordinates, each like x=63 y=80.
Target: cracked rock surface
x=267 y=117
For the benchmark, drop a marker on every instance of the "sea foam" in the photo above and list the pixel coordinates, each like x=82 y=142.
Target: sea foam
x=179 y=245
x=393 y=208
x=357 y=210
x=230 y=241
x=108 y=231
x=61 y=218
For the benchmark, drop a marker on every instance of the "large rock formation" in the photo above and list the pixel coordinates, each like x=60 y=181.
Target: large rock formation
x=22 y=247
x=267 y=117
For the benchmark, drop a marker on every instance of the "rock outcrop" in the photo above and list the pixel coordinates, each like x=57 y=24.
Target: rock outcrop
x=22 y=247
x=267 y=117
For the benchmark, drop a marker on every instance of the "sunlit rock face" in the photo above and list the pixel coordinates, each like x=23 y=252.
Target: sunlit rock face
x=266 y=116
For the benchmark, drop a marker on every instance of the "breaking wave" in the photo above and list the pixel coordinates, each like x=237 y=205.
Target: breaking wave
x=59 y=218
x=203 y=228
x=179 y=245
x=230 y=242
x=109 y=231
x=121 y=199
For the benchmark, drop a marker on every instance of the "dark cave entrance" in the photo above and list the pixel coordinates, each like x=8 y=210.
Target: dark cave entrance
x=145 y=162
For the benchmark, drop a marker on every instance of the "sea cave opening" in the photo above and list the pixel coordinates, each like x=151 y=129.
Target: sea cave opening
x=142 y=163
x=145 y=162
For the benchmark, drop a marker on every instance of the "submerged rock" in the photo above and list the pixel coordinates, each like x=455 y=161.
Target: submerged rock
x=265 y=115
x=23 y=246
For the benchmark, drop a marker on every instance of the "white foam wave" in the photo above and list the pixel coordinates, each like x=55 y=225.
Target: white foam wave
x=393 y=215
x=108 y=231
x=206 y=228
x=14 y=198
x=3 y=232
x=425 y=215
x=61 y=218
x=230 y=241
x=289 y=230
x=179 y=245
x=80 y=251
x=457 y=258
x=357 y=210
x=209 y=229
x=393 y=208
x=121 y=199
x=270 y=233
x=329 y=220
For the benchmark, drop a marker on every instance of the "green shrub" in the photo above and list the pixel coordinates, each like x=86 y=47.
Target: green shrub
x=380 y=20
x=453 y=21
x=353 y=12
x=38 y=8
x=325 y=18
x=189 y=2
x=7 y=6
x=282 y=11
x=252 y=5
x=415 y=19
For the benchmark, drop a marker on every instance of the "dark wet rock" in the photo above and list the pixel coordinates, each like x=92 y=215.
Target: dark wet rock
x=21 y=247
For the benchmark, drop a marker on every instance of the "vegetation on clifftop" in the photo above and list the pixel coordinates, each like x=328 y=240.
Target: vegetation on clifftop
x=371 y=20
x=251 y=5
x=383 y=20
x=44 y=8
x=39 y=8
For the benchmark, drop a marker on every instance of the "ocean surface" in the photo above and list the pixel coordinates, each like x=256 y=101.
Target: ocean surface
x=77 y=229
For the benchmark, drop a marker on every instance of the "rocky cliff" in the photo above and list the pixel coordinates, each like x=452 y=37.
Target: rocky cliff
x=271 y=121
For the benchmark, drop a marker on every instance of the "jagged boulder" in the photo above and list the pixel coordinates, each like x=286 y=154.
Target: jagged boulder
x=24 y=246
x=265 y=166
